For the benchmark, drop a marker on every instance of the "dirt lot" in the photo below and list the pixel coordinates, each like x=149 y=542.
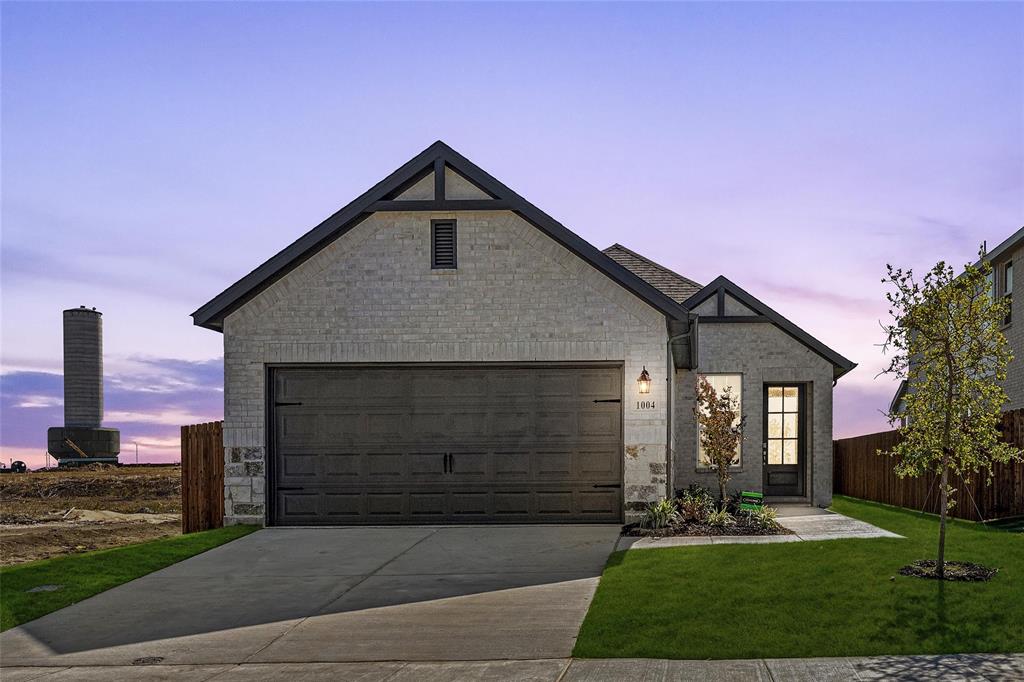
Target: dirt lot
x=50 y=513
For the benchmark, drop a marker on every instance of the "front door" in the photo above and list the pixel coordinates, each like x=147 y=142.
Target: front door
x=784 y=439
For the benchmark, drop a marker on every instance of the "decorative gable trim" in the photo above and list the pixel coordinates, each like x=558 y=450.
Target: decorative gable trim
x=383 y=197
x=722 y=287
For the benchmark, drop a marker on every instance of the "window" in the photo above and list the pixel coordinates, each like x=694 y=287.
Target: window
x=724 y=382
x=443 y=249
x=1008 y=291
x=783 y=425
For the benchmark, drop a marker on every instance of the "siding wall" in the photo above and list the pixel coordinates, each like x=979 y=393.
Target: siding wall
x=370 y=296
x=762 y=353
x=1014 y=384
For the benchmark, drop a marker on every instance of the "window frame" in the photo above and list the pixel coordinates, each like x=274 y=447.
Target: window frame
x=707 y=466
x=1008 y=291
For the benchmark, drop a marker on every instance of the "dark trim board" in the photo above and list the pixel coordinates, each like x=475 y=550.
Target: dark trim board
x=722 y=286
x=732 y=319
x=442 y=205
x=211 y=315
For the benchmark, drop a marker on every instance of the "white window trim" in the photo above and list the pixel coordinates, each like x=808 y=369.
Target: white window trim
x=738 y=466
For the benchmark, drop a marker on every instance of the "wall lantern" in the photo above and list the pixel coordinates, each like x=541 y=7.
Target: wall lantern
x=644 y=382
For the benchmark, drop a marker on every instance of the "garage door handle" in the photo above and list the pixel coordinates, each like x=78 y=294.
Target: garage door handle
x=607 y=485
x=609 y=400
x=285 y=404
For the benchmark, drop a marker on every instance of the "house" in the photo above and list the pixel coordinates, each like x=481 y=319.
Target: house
x=1002 y=259
x=441 y=350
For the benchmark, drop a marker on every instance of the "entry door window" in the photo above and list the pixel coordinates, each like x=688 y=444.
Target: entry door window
x=783 y=424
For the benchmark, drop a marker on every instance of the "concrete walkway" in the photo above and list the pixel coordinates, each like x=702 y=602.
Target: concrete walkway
x=815 y=524
x=338 y=594
x=988 y=667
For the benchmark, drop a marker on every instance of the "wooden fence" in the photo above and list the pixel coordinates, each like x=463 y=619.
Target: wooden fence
x=202 y=477
x=858 y=471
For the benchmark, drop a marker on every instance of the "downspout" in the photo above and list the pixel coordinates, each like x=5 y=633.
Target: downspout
x=670 y=421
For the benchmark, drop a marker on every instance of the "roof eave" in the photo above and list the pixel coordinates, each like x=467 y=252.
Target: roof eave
x=212 y=314
x=840 y=364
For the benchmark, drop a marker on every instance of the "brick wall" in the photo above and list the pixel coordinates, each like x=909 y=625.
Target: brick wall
x=370 y=296
x=762 y=353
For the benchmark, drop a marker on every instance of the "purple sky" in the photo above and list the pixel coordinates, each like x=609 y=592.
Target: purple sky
x=154 y=153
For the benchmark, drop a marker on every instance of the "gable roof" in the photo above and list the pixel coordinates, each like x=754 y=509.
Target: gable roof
x=901 y=391
x=677 y=287
x=722 y=285
x=434 y=158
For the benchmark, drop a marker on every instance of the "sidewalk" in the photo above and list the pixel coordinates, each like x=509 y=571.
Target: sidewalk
x=948 y=667
x=807 y=524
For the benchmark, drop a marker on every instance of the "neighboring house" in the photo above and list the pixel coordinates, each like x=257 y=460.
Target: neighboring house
x=1003 y=259
x=441 y=350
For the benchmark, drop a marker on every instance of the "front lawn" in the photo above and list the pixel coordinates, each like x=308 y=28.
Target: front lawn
x=830 y=598
x=82 y=575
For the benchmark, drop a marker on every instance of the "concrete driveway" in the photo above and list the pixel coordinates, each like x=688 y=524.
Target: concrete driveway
x=456 y=593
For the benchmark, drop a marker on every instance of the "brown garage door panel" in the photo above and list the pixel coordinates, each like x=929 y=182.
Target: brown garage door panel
x=329 y=507
x=446 y=444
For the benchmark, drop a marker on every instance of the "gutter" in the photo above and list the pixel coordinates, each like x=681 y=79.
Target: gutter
x=670 y=411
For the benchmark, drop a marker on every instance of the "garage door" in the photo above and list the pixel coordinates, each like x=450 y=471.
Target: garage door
x=479 y=444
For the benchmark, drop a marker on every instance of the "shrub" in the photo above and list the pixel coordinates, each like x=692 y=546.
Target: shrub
x=764 y=518
x=695 y=490
x=660 y=514
x=720 y=518
x=696 y=502
x=733 y=502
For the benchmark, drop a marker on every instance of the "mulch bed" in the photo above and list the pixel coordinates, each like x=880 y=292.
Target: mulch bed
x=959 y=571
x=694 y=529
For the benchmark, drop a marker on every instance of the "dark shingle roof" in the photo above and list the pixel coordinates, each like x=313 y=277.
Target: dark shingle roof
x=672 y=284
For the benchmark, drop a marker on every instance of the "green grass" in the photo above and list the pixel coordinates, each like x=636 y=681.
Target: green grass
x=89 y=573
x=832 y=598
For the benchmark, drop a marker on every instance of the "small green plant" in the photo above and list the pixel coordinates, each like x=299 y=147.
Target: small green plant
x=720 y=518
x=764 y=518
x=696 y=502
x=660 y=514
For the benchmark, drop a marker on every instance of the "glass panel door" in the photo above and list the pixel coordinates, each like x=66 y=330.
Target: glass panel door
x=783 y=439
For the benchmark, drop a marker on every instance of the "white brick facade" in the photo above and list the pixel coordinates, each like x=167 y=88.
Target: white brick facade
x=371 y=296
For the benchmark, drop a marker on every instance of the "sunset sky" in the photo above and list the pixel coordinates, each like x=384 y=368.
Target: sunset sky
x=154 y=153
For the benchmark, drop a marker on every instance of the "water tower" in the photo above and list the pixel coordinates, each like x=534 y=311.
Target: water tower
x=82 y=439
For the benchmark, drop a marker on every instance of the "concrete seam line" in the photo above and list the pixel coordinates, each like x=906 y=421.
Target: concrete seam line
x=346 y=591
x=226 y=670
x=372 y=573
x=767 y=669
x=565 y=670
x=399 y=669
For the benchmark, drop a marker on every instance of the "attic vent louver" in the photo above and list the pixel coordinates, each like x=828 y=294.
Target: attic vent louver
x=443 y=244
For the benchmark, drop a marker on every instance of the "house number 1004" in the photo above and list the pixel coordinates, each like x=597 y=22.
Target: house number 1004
x=645 y=404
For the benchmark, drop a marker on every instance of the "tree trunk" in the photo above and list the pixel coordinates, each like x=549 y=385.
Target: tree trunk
x=721 y=492
x=940 y=567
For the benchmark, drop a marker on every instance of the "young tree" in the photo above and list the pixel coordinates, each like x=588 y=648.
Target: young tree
x=945 y=339
x=720 y=430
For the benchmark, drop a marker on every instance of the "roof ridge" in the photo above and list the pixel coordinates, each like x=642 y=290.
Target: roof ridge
x=647 y=260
